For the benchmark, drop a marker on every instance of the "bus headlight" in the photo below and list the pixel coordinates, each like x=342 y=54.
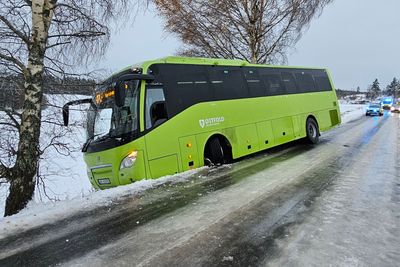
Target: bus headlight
x=128 y=161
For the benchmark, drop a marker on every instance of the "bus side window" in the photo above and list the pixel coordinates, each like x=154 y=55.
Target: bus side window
x=192 y=87
x=305 y=82
x=322 y=81
x=273 y=84
x=158 y=113
x=155 y=106
x=184 y=86
x=289 y=82
x=228 y=83
x=256 y=87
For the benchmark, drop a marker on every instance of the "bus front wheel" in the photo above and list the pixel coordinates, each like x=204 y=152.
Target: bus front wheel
x=214 y=154
x=312 y=130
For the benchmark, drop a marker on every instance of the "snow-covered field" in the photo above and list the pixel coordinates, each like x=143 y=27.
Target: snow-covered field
x=67 y=187
x=351 y=112
x=64 y=173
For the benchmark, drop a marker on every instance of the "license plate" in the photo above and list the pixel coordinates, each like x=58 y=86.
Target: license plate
x=104 y=181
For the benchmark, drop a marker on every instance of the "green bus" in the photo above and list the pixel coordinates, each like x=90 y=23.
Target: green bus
x=170 y=115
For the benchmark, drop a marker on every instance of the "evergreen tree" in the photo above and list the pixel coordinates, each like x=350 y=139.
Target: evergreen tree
x=358 y=90
x=394 y=87
x=374 y=90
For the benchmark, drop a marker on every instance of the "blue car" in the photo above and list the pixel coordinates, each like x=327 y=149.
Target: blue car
x=374 y=109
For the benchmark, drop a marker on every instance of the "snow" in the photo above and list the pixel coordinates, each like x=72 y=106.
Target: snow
x=68 y=190
x=40 y=213
x=62 y=172
x=65 y=174
x=351 y=112
x=356 y=221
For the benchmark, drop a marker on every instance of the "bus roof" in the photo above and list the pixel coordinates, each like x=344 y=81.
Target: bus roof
x=204 y=61
x=213 y=61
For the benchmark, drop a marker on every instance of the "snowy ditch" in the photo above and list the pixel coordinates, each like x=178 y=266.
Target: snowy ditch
x=68 y=190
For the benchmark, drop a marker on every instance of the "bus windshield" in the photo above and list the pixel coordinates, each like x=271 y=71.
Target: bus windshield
x=106 y=119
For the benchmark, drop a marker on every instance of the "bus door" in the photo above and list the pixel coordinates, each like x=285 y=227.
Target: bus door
x=160 y=147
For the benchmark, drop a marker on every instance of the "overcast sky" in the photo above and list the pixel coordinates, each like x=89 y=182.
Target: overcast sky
x=358 y=40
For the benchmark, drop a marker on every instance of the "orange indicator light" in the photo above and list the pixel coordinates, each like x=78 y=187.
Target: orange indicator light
x=100 y=97
x=133 y=154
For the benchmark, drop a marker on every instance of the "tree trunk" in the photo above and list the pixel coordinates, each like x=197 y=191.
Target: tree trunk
x=24 y=172
x=254 y=19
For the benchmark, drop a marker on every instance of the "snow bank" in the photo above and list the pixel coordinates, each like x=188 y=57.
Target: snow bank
x=350 y=112
x=37 y=214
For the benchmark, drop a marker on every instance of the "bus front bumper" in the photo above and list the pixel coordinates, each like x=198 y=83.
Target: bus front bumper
x=118 y=166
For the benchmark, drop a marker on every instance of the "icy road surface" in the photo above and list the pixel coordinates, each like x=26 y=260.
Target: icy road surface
x=334 y=204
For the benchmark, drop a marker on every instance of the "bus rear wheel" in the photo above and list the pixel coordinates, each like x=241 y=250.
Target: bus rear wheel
x=214 y=153
x=312 y=131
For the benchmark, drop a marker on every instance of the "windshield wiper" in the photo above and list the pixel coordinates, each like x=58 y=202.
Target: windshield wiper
x=90 y=140
x=102 y=138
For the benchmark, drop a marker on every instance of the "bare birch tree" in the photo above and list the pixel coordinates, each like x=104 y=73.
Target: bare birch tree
x=259 y=31
x=52 y=37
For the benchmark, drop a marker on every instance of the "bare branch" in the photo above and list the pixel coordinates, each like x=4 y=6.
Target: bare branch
x=14 y=60
x=258 y=31
x=5 y=172
x=15 y=30
x=58 y=44
x=12 y=123
x=81 y=34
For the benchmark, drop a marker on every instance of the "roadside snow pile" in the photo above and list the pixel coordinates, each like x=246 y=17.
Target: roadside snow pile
x=37 y=214
x=350 y=112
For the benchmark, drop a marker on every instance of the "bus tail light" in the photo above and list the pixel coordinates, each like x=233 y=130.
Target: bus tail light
x=129 y=160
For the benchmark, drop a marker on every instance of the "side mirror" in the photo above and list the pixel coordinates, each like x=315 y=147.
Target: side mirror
x=120 y=94
x=65 y=109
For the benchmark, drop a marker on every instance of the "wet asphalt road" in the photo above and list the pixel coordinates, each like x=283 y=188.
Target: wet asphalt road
x=337 y=203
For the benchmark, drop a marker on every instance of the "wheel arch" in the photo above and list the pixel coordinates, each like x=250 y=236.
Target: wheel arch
x=225 y=143
x=311 y=116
